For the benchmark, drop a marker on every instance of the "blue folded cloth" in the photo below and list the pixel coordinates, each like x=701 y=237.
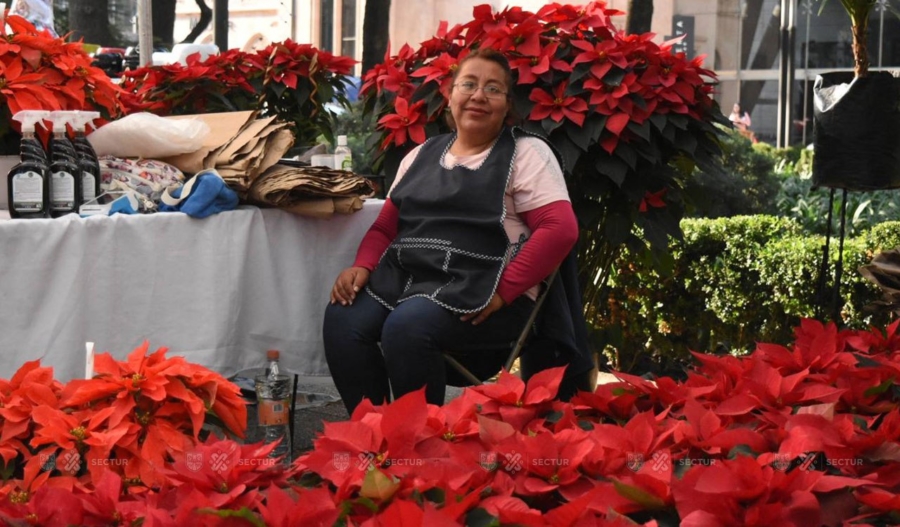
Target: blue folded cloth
x=204 y=195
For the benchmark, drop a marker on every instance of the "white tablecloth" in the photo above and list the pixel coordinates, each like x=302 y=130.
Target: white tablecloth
x=219 y=291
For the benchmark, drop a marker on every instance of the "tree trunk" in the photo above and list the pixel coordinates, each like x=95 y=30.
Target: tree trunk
x=89 y=20
x=639 y=18
x=163 y=23
x=375 y=32
x=206 y=15
x=861 y=48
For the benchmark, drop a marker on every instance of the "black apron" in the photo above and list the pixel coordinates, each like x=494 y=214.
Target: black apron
x=451 y=246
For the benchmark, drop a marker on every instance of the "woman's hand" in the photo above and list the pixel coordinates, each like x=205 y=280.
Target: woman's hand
x=494 y=305
x=348 y=283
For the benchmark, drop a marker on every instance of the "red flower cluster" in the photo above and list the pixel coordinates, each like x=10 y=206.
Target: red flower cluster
x=124 y=447
x=800 y=436
x=569 y=63
x=293 y=81
x=41 y=72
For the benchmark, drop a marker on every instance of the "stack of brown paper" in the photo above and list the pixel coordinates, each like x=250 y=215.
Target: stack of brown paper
x=239 y=146
x=311 y=191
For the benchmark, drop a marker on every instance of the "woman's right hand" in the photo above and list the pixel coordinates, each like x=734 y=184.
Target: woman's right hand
x=348 y=283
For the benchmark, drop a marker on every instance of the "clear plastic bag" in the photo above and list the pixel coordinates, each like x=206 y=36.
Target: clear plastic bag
x=149 y=136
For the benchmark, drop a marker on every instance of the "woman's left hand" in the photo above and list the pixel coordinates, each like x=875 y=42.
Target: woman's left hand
x=494 y=305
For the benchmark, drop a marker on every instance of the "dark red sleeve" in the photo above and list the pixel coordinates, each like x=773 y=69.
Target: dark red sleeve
x=378 y=237
x=554 y=231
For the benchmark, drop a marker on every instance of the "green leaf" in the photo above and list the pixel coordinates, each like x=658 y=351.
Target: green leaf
x=378 y=486
x=865 y=362
x=613 y=168
x=686 y=142
x=243 y=513
x=586 y=136
x=549 y=125
x=880 y=389
x=481 y=518
x=641 y=130
x=626 y=153
x=679 y=121
x=618 y=227
x=639 y=496
x=741 y=450
x=365 y=502
x=553 y=417
x=614 y=77
x=659 y=120
x=436 y=495
x=569 y=151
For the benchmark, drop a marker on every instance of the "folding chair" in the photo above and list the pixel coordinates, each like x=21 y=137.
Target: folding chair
x=516 y=347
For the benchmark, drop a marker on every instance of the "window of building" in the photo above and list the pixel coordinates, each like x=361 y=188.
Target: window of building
x=326 y=25
x=348 y=28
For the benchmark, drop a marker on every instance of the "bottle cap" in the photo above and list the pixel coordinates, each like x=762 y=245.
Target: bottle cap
x=272 y=354
x=342 y=140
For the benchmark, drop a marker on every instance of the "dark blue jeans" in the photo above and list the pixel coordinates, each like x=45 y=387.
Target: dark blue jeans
x=413 y=338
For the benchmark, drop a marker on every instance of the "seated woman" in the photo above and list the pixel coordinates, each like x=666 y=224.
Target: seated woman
x=474 y=222
x=741 y=122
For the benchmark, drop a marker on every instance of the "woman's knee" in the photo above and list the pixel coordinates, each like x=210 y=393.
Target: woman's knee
x=358 y=322
x=414 y=324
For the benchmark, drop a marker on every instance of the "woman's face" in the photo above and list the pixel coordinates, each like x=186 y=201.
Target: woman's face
x=478 y=112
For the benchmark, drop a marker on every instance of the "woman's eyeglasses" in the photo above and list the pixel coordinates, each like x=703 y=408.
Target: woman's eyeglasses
x=490 y=91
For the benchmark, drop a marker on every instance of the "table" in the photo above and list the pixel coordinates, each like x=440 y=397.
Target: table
x=220 y=291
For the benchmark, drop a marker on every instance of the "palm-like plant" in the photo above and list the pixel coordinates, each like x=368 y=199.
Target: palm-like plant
x=859 y=11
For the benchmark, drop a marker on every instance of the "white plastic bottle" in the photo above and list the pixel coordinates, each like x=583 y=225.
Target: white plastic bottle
x=273 y=396
x=343 y=157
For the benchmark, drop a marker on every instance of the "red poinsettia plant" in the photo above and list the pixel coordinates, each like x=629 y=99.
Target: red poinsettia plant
x=131 y=444
x=41 y=72
x=630 y=117
x=293 y=81
x=790 y=436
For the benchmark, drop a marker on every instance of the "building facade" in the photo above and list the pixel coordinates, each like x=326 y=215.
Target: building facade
x=767 y=53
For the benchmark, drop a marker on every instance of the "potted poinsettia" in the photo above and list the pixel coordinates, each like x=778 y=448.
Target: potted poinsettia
x=857 y=118
x=43 y=72
x=629 y=116
x=786 y=436
x=293 y=81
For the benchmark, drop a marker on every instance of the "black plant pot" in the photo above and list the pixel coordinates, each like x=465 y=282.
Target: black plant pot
x=857 y=131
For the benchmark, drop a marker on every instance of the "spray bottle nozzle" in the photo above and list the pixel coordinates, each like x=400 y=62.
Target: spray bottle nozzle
x=31 y=118
x=80 y=120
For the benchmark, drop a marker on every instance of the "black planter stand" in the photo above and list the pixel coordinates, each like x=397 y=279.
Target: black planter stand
x=830 y=297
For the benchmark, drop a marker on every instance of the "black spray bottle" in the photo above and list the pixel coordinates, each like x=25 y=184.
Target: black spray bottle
x=87 y=159
x=65 y=177
x=28 y=182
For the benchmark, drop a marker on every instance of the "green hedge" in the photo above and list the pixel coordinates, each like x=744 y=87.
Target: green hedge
x=735 y=281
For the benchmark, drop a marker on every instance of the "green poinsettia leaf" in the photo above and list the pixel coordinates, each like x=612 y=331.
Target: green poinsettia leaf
x=614 y=77
x=587 y=135
x=641 y=130
x=618 y=227
x=479 y=517
x=627 y=153
x=659 y=121
x=243 y=513
x=639 y=496
x=613 y=168
x=880 y=389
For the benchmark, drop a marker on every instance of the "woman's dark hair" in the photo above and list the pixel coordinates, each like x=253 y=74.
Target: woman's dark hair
x=490 y=55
